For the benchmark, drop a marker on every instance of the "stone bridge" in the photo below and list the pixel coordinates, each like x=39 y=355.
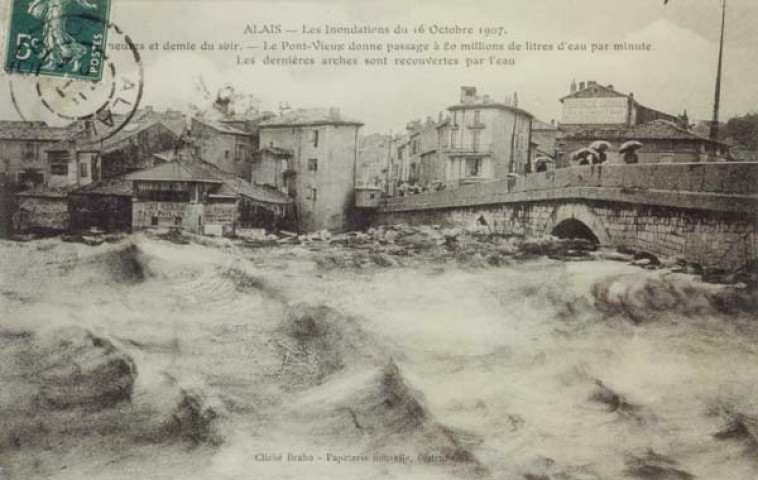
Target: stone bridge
x=706 y=213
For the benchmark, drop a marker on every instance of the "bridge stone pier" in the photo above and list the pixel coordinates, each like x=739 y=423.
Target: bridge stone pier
x=705 y=213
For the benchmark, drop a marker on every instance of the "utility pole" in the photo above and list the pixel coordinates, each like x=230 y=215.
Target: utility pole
x=717 y=96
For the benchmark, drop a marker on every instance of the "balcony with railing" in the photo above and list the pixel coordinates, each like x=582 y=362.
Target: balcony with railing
x=469 y=149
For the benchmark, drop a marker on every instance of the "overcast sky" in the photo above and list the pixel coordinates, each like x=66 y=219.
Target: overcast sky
x=678 y=74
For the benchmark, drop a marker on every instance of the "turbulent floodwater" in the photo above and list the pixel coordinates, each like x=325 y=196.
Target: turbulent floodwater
x=537 y=370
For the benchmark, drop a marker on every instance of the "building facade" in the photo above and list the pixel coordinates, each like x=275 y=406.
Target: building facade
x=488 y=140
x=228 y=147
x=23 y=151
x=661 y=142
x=592 y=105
x=312 y=155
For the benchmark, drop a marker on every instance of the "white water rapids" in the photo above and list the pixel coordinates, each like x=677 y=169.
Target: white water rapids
x=537 y=370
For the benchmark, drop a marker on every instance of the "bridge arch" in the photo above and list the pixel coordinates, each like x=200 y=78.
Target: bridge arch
x=578 y=221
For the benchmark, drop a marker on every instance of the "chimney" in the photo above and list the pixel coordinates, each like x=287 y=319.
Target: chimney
x=515 y=99
x=581 y=86
x=610 y=86
x=467 y=94
x=429 y=121
x=591 y=83
x=439 y=118
x=334 y=113
x=573 y=86
x=486 y=99
x=552 y=122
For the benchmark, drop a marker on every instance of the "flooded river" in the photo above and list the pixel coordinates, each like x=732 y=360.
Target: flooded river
x=262 y=363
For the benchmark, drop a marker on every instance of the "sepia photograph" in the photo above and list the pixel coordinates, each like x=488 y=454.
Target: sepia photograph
x=381 y=239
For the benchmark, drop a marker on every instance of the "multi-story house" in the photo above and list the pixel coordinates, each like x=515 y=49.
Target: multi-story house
x=488 y=139
x=75 y=161
x=23 y=151
x=229 y=147
x=594 y=112
x=591 y=105
x=312 y=155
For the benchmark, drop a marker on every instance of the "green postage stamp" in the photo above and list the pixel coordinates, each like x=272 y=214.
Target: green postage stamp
x=60 y=38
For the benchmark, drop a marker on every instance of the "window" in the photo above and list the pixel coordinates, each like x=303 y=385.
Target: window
x=475 y=140
x=154 y=221
x=59 y=168
x=83 y=170
x=199 y=220
x=477 y=117
x=240 y=152
x=452 y=139
x=178 y=221
x=226 y=153
x=315 y=138
x=312 y=164
x=29 y=151
x=313 y=195
x=473 y=167
x=147 y=195
x=414 y=147
x=400 y=153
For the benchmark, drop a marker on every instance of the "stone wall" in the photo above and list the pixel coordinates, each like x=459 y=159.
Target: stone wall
x=724 y=240
x=704 y=213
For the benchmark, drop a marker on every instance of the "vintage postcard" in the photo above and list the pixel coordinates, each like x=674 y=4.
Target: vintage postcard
x=341 y=239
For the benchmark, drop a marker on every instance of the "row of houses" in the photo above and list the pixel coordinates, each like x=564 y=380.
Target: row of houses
x=479 y=139
x=309 y=169
x=296 y=170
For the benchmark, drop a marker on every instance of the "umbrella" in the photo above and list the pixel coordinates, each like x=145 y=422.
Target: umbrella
x=583 y=153
x=630 y=145
x=600 y=145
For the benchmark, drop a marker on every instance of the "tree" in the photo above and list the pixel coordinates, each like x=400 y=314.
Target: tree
x=743 y=130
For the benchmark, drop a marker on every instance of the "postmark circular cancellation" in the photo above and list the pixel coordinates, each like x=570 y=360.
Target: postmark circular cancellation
x=65 y=75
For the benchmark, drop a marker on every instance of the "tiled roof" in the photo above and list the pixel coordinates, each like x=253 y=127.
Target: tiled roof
x=195 y=170
x=655 y=130
x=595 y=90
x=141 y=121
x=482 y=104
x=233 y=183
x=309 y=117
x=18 y=130
x=174 y=172
x=118 y=186
x=132 y=129
x=42 y=191
x=220 y=127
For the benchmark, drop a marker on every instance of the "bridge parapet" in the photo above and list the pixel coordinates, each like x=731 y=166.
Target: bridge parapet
x=719 y=186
